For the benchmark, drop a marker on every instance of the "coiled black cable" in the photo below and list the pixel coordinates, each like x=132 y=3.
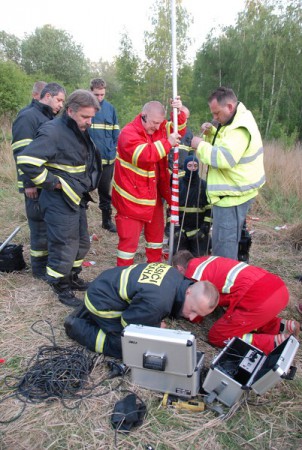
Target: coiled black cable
x=55 y=373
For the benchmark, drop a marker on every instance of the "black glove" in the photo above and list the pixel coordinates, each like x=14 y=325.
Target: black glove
x=127 y=413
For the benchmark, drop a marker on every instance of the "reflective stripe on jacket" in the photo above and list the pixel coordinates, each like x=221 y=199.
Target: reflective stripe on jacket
x=141 y=168
x=24 y=130
x=141 y=293
x=62 y=153
x=233 y=279
x=236 y=170
x=104 y=131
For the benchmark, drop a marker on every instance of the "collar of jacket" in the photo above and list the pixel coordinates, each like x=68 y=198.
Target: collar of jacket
x=45 y=109
x=71 y=123
x=180 y=298
x=232 y=118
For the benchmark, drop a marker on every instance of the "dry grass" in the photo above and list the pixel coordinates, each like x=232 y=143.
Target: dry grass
x=272 y=421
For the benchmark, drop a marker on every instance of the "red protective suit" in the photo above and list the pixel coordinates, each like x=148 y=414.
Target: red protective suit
x=141 y=179
x=252 y=297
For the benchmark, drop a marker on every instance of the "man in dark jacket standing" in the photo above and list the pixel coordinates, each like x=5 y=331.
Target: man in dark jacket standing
x=104 y=131
x=24 y=130
x=139 y=294
x=64 y=162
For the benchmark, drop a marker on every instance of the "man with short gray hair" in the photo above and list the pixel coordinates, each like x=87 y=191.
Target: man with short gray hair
x=63 y=161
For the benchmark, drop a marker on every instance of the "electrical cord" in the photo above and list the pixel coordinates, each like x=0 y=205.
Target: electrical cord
x=56 y=372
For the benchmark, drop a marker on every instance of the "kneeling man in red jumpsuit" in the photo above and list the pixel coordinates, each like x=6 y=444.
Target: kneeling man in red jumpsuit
x=251 y=296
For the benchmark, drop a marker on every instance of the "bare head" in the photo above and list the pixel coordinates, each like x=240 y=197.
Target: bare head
x=181 y=260
x=153 y=114
x=223 y=103
x=53 y=95
x=98 y=88
x=81 y=106
x=37 y=89
x=201 y=299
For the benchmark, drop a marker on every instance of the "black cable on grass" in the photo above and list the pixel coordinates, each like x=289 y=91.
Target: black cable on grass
x=55 y=373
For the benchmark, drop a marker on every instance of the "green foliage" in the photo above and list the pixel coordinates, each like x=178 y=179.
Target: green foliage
x=10 y=47
x=53 y=51
x=287 y=208
x=15 y=86
x=260 y=58
x=158 y=49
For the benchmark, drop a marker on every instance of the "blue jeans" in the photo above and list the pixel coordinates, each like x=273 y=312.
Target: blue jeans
x=227 y=226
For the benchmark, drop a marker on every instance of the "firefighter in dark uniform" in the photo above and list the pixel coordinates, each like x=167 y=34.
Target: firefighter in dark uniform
x=194 y=212
x=24 y=130
x=64 y=162
x=139 y=294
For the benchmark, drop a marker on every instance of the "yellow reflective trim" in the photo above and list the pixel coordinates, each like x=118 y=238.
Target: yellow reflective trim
x=168 y=128
x=123 y=322
x=191 y=210
x=139 y=201
x=78 y=263
x=22 y=143
x=104 y=126
x=135 y=169
x=137 y=152
x=192 y=232
x=124 y=282
x=100 y=341
x=182 y=126
x=38 y=253
x=160 y=148
x=125 y=255
x=20 y=184
x=23 y=159
x=40 y=178
x=197 y=274
x=154 y=245
x=248 y=338
x=70 y=192
x=231 y=277
x=66 y=168
x=53 y=273
x=103 y=314
x=108 y=162
x=184 y=147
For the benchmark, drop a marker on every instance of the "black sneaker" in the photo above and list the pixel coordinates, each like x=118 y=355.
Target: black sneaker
x=78 y=284
x=66 y=296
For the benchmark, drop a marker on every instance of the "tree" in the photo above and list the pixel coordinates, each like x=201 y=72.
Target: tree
x=10 y=47
x=15 y=87
x=260 y=58
x=158 y=49
x=53 y=51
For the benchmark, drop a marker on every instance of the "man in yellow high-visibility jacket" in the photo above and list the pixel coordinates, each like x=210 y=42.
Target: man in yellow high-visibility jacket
x=234 y=153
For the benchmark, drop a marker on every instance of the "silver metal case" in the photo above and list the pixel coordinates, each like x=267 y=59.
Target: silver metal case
x=241 y=366
x=162 y=359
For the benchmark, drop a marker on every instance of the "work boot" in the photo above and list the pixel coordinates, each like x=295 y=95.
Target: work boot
x=66 y=295
x=107 y=222
x=77 y=283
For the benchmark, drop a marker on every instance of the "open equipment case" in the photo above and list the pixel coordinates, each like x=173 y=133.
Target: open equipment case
x=162 y=359
x=241 y=366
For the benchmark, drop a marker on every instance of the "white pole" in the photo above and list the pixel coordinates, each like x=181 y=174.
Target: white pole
x=175 y=126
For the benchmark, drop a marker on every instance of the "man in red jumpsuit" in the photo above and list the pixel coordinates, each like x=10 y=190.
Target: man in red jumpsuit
x=251 y=296
x=141 y=180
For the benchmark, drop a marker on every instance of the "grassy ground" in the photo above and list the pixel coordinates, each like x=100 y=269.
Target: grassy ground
x=271 y=421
